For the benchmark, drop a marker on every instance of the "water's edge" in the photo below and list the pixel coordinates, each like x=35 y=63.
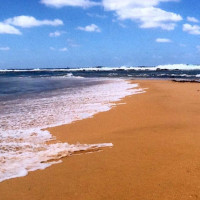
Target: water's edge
x=35 y=151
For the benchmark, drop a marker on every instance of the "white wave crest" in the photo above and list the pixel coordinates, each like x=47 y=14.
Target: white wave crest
x=158 y=67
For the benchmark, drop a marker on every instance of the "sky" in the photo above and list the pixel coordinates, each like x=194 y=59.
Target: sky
x=87 y=33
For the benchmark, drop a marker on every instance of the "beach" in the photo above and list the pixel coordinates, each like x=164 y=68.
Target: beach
x=155 y=153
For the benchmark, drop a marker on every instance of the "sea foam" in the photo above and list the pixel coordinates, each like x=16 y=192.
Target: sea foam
x=23 y=138
x=125 y=68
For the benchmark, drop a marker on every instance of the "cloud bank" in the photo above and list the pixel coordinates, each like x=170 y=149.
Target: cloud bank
x=145 y=12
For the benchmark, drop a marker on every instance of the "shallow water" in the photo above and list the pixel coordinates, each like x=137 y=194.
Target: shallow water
x=30 y=104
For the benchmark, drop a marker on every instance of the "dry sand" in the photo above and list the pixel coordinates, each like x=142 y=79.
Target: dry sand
x=156 y=153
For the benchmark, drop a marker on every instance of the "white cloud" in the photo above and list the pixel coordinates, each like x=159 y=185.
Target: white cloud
x=8 y=29
x=90 y=28
x=145 y=12
x=191 y=29
x=73 y=3
x=118 y=4
x=4 y=48
x=163 y=40
x=192 y=19
x=29 y=21
x=63 y=49
x=56 y=34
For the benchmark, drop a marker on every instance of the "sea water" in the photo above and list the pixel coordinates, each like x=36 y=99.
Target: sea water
x=32 y=101
x=176 y=71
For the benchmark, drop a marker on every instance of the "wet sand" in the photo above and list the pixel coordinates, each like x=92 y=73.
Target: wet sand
x=156 y=152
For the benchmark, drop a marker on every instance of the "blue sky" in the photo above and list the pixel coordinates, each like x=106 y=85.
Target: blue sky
x=84 y=33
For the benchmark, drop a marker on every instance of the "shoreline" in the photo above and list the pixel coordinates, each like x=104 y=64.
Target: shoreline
x=155 y=154
x=113 y=105
x=30 y=146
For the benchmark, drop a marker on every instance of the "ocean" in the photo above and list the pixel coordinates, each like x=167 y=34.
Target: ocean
x=178 y=72
x=32 y=100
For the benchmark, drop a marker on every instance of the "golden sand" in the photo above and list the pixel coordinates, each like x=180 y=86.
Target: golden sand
x=156 y=152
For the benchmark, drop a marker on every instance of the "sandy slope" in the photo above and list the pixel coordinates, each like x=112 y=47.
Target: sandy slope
x=156 y=153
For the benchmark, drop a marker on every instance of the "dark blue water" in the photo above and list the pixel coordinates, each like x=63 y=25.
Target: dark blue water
x=107 y=72
x=30 y=83
x=22 y=85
